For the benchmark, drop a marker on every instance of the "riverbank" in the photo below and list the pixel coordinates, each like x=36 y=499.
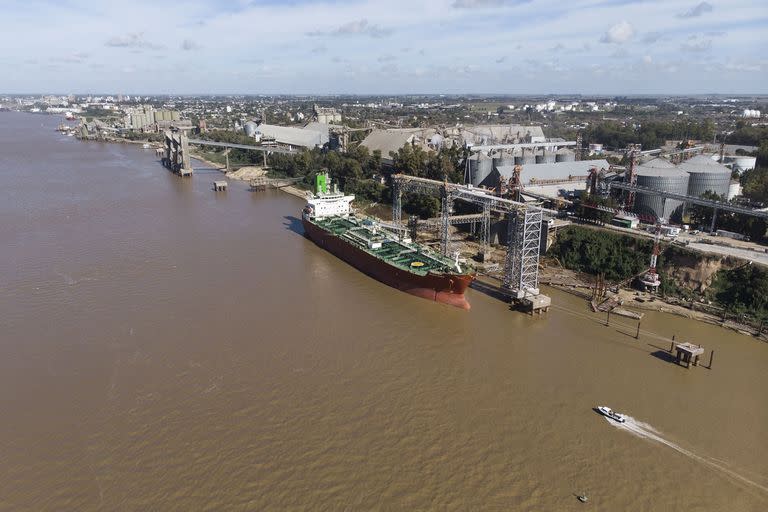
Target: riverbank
x=212 y=165
x=683 y=268
x=581 y=285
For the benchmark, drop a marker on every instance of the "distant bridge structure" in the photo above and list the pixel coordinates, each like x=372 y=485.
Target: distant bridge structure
x=177 y=157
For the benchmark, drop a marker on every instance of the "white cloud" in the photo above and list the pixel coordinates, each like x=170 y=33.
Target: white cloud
x=652 y=37
x=697 y=10
x=359 y=27
x=620 y=33
x=189 y=45
x=619 y=53
x=696 y=44
x=73 y=58
x=647 y=59
x=488 y=33
x=474 y=4
x=744 y=66
x=133 y=40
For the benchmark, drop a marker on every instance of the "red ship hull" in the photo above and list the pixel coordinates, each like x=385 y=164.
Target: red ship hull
x=445 y=288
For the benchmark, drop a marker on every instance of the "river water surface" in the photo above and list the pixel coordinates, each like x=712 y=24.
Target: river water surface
x=166 y=347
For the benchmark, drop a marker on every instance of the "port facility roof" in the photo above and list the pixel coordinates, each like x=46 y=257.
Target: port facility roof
x=552 y=171
x=392 y=140
x=308 y=138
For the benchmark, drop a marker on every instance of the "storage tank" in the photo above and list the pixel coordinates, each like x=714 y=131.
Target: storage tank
x=743 y=163
x=546 y=157
x=480 y=167
x=565 y=155
x=527 y=158
x=250 y=128
x=496 y=158
x=503 y=158
x=706 y=174
x=660 y=174
x=734 y=189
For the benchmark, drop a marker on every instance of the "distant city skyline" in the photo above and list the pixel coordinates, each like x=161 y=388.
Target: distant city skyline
x=394 y=47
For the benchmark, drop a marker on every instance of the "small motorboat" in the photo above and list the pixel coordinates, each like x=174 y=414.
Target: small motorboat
x=582 y=498
x=607 y=411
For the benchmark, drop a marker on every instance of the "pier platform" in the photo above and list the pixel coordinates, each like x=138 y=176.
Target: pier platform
x=687 y=352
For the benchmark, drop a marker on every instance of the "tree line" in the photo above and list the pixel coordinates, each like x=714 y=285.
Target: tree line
x=650 y=134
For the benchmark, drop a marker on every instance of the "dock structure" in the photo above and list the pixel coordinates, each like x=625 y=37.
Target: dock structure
x=220 y=186
x=177 y=158
x=535 y=303
x=525 y=223
x=259 y=183
x=686 y=352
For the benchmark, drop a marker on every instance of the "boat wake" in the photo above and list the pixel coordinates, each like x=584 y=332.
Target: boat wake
x=646 y=431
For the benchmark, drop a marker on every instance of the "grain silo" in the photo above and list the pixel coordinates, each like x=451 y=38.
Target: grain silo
x=660 y=174
x=526 y=158
x=565 y=155
x=546 y=157
x=250 y=128
x=480 y=167
x=742 y=163
x=503 y=158
x=706 y=175
x=496 y=158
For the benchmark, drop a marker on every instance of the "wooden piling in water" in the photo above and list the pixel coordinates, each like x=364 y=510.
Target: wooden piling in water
x=711 y=355
x=637 y=334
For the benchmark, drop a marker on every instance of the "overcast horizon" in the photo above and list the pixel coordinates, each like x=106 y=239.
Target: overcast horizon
x=452 y=47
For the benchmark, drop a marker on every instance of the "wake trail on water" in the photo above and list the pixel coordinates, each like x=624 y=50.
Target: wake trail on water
x=646 y=431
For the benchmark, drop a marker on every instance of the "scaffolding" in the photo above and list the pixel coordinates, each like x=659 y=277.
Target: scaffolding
x=521 y=265
x=446 y=208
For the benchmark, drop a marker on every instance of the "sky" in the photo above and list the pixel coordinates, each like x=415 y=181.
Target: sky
x=384 y=47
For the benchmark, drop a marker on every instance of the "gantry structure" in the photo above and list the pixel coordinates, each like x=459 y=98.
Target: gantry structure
x=521 y=264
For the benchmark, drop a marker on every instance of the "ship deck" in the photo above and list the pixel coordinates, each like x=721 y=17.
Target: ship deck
x=363 y=234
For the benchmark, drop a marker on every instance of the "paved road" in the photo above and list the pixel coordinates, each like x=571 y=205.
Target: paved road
x=738 y=248
x=757 y=257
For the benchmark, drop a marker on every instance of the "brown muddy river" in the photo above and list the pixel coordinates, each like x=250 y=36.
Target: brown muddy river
x=166 y=347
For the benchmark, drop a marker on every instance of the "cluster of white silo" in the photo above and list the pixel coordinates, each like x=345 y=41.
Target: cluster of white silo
x=706 y=175
x=693 y=177
x=482 y=165
x=660 y=174
x=480 y=168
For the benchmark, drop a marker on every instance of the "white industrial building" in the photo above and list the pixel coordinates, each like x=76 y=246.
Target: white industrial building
x=391 y=140
x=311 y=136
x=557 y=179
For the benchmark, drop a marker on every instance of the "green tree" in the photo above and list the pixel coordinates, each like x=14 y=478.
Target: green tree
x=743 y=289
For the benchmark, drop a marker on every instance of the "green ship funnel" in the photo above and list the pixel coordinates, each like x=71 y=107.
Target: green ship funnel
x=321 y=183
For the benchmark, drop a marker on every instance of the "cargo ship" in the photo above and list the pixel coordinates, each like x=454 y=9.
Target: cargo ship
x=330 y=222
